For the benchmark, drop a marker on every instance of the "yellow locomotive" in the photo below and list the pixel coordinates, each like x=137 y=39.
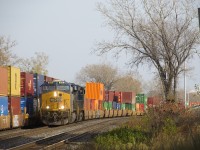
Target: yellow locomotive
x=61 y=103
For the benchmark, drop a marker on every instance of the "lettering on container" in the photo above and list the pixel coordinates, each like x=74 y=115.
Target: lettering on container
x=15 y=81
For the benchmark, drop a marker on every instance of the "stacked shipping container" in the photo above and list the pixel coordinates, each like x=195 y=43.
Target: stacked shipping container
x=14 y=96
x=141 y=103
x=10 y=98
x=33 y=101
x=122 y=101
x=27 y=96
x=94 y=95
x=4 y=112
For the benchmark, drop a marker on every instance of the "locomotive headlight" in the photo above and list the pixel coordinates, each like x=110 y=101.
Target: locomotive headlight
x=62 y=107
x=47 y=107
x=55 y=94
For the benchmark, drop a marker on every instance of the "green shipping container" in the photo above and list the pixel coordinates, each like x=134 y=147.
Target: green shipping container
x=141 y=98
x=107 y=105
x=128 y=106
x=123 y=106
x=133 y=107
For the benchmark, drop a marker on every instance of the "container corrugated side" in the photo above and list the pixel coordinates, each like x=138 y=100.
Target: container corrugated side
x=123 y=106
x=100 y=105
x=114 y=105
x=141 y=98
x=109 y=96
x=94 y=91
x=3 y=106
x=23 y=104
x=38 y=80
x=32 y=106
x=48 y=79
x=13 y=81
x=140 y=107
x=14 y=105
x=17 y=121
x=4 y=122
x=94 y=104
x=3 y=81
x=86 y=104
x=107 y=105
x=118 y=106
x=26 y=84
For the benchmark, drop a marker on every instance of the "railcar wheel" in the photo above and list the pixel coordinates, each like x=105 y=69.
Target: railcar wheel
x=73 y=117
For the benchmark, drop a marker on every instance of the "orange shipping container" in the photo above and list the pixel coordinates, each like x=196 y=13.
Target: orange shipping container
x=94 y=91
x=3 y=81
x=94 y=104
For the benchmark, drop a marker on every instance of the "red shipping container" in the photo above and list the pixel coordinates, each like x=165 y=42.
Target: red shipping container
x=126 y=97
x=26 y=84
x=92 y=104
x=109 y=95
x=86 y=104
x=14 y=105
x=100 y=105
x=3 y=81
x=117 y=97
x=48 y=79
x=140 y=107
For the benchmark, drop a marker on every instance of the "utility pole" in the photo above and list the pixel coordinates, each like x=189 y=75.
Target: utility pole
x=199 y=16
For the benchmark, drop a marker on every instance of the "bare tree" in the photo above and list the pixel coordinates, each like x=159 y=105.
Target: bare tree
x=6 y=55
x=37 y=64
x=103 y=73
x=162 y=33
x=128 y=82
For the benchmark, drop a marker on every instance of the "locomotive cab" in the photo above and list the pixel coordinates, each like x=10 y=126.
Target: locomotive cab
x=60 y=102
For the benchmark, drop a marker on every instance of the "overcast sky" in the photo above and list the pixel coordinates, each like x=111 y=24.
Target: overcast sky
x=66 y=31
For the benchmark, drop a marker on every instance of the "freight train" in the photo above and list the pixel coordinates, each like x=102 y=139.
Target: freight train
x=29 y=99
x=63 y=102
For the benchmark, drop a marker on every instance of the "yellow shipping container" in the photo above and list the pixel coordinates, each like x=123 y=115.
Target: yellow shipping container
x=94 y=91
x=13 y=81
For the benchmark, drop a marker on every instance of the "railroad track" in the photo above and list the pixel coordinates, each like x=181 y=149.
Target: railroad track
x=62 y=138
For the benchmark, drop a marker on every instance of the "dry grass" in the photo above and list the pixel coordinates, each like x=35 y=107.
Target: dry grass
x=167 y=127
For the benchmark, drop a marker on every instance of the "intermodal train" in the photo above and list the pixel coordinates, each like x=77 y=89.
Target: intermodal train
x=29 y=99
x=63 y=102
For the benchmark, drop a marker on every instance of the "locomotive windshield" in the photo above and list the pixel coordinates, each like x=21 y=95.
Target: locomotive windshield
x=48 y=88
x=63 y=88
x=56 y=85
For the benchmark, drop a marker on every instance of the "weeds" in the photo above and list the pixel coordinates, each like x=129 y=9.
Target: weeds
x=166 y=127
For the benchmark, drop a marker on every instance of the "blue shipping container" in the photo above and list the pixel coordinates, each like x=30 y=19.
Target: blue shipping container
x=38 y=80
x=118 y=106
x=3 y=106
x=32 y=105
x=23 y=103
x=114 y=105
